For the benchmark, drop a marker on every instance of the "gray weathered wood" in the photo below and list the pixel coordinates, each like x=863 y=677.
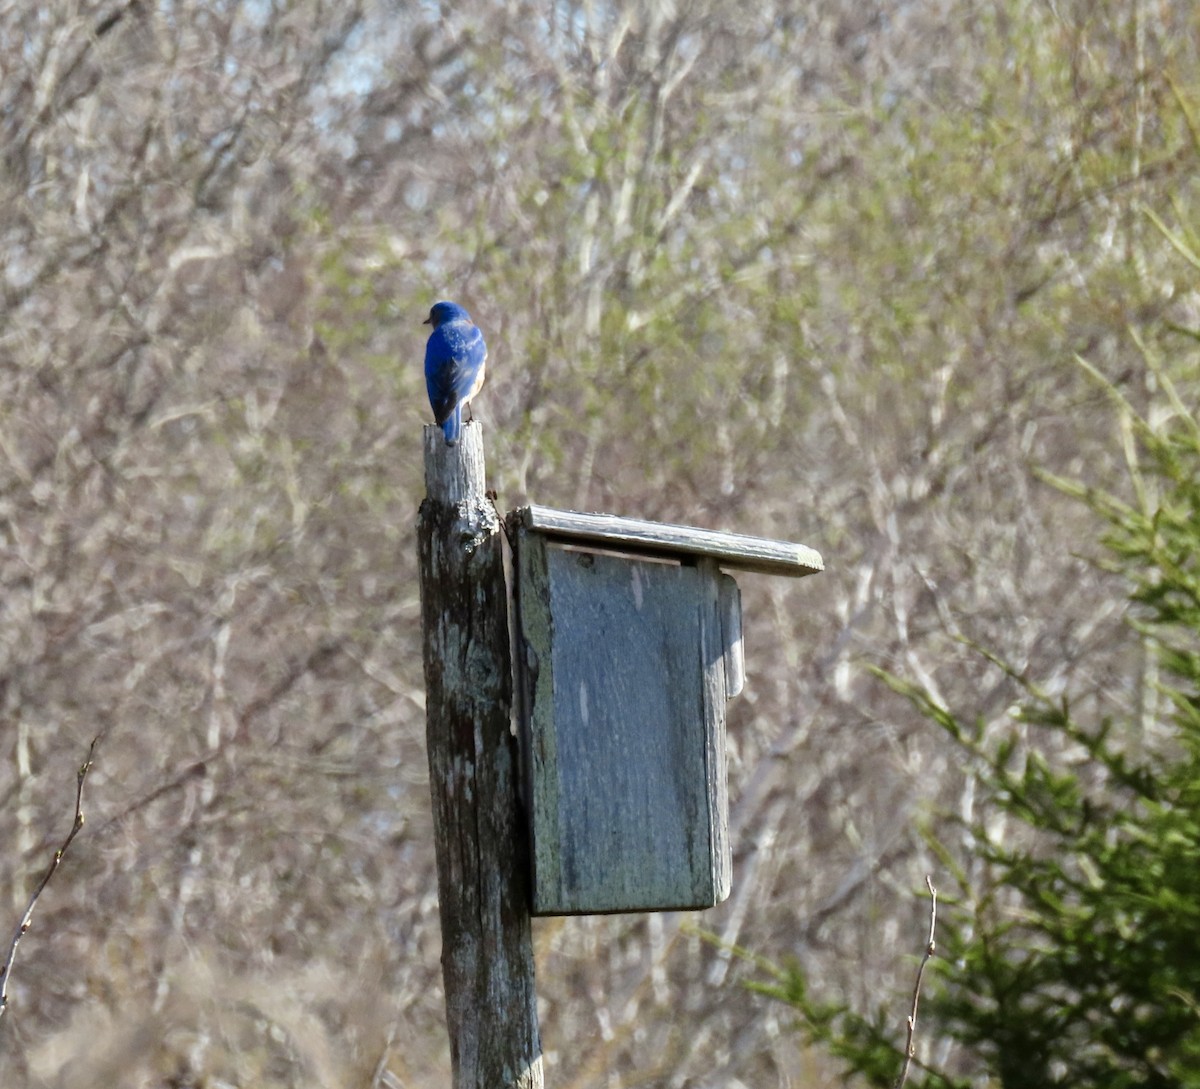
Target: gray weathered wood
x=633 y=534
x=624 y=666
x=720 y=646
x=482 y=859
x=731 y=624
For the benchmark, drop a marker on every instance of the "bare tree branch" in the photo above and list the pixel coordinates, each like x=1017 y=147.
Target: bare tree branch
x=910 y=1044
x=27 y=918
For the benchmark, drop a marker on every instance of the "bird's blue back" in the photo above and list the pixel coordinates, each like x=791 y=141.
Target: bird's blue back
x=455 y=363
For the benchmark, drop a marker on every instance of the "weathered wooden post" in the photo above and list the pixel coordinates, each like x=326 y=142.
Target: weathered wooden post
x=482 y=863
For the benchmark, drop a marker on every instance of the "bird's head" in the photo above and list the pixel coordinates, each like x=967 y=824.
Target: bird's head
x=443 y=312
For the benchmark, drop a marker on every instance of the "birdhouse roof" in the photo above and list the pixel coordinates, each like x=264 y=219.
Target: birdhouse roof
x=729 y=550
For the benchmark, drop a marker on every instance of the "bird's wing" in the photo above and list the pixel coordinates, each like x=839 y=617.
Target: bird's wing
x=453 y=357
x=469 y=355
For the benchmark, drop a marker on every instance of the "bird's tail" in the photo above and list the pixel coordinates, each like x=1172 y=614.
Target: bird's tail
x=452 y=426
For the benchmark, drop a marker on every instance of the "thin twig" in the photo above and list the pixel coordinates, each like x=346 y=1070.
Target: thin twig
x=27 y=918
x=910 y=1048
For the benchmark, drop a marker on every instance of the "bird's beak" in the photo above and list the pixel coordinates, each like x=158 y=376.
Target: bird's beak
x=428 y=320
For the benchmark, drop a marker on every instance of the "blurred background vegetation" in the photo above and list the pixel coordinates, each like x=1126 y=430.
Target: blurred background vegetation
x=818 y=271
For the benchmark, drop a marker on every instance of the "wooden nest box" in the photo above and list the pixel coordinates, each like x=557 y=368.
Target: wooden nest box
x=628 y=644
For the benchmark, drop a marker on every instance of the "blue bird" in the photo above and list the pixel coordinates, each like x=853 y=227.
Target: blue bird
x=455 y=360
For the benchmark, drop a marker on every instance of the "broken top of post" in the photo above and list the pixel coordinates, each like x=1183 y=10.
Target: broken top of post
x=729 y=550
x=455 y=474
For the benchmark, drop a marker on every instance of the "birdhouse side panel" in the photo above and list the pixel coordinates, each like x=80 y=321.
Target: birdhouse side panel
x=534 y=659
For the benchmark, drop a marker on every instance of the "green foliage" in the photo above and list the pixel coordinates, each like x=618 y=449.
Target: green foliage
x=1071 y=956
x=1068 y=954
x=861 y=1044
x=1067 y=945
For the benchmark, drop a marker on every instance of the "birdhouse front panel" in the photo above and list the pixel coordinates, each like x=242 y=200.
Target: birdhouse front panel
x=623 y=668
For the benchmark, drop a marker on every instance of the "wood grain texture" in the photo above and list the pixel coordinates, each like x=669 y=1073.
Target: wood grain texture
x=482 y=858
x=730 y=550
x=624 y=681
x=731 y=625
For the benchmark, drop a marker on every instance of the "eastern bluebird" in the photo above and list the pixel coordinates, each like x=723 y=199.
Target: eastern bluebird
x=455 y=359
